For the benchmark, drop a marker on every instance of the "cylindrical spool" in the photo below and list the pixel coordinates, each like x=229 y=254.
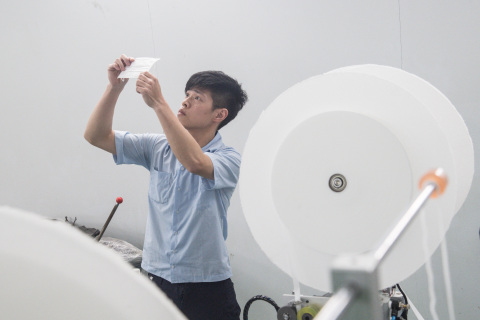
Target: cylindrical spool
x=453 y=126
x=308 y=313
x=287 y=313
x=110 y=287
x=384 y=147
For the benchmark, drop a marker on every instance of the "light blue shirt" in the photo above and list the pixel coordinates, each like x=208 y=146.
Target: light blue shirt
x=187 y=220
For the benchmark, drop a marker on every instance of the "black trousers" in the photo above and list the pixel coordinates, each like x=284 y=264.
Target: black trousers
x=202 y=300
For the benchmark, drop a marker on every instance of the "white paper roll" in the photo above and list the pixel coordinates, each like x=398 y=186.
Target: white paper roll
x=49 y=270
x=382 y=129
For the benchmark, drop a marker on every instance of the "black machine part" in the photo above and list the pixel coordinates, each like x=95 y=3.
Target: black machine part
x=256 y=298
x=287 y=313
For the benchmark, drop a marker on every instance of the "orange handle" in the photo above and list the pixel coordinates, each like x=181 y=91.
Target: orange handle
x=437 y=177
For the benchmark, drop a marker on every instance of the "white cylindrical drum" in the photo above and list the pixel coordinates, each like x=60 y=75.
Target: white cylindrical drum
x=50 y=270
x=335 y=160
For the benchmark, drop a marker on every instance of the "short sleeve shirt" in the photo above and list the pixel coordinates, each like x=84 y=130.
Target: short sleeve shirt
x=187 y=219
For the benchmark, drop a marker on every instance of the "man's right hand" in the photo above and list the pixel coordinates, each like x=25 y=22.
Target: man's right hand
x=99 y=127
x=115 y=68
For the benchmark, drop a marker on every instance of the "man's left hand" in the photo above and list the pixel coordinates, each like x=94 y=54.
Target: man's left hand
x=149 y=87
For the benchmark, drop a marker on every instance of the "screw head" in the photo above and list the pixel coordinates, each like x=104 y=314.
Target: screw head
x=337 y=182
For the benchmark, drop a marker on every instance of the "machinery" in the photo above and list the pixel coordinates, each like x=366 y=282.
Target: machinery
x=329 y=186
x=393 y=304
x=355 y=277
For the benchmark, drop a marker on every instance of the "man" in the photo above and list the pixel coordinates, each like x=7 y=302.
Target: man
x=192 y=178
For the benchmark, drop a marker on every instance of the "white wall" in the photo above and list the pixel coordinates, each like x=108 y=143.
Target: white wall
x=54 y=57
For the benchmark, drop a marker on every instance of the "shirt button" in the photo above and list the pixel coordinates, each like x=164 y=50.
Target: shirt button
x=177 y=211
x=182 y=168
x=178 y=188
x=173 y=266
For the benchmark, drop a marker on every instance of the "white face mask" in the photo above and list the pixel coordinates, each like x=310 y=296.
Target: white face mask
x=138 y=66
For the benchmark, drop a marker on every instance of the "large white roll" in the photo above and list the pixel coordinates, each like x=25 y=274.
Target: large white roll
x=379 y=127
x=49 y=270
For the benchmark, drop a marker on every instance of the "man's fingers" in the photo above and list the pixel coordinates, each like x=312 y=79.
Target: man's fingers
x=125 y=57
x=141 y=82
x=126 y=60
x=142 y=77
x=121 y=63
x=148 y=76
x=113 y=66
x=141 y=86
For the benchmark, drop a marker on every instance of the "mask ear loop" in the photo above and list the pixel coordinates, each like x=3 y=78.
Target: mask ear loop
x=414 y=309
x=293 y=274
x=446 y=274
x=440 y=180
x=428 y=267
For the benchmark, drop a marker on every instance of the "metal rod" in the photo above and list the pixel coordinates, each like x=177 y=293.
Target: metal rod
x=346 y=295
x=107 y=222
x=338 y=303
x=390 y=240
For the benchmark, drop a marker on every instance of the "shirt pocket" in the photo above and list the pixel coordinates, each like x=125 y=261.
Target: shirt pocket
x=160 y=184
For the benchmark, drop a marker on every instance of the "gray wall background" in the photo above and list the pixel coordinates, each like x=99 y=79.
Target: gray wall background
x=54 y=57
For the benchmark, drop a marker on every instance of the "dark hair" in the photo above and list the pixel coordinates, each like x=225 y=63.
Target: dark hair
x=226 y=92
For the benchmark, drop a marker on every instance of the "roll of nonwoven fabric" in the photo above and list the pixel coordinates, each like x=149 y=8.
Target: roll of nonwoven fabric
x=372 y=131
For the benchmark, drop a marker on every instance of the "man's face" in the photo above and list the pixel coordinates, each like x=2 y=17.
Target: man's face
x=197 y=110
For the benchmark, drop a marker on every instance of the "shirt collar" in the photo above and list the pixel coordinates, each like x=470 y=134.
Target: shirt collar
x=214 y=144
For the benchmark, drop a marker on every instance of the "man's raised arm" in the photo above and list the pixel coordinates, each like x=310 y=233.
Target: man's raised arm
x=185 y=146
x=99 y=130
